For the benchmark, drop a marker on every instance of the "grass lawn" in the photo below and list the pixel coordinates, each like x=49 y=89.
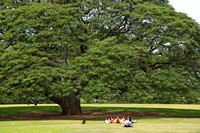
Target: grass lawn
x=144 y=125
x=153 y=125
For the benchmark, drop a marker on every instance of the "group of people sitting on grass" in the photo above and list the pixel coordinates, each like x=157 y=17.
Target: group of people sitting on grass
x=125 y=122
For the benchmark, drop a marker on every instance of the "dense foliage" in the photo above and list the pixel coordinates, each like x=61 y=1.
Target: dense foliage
x=138 y=51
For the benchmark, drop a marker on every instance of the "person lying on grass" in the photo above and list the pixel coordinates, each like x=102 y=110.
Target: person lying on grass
x=123 y=119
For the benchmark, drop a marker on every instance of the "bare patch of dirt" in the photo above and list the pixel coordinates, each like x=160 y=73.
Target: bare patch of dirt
x=86 y=115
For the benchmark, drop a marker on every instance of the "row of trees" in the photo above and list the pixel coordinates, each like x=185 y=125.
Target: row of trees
x=140 y=51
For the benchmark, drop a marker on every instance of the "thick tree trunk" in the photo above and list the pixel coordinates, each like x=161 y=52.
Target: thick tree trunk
x=70 y=105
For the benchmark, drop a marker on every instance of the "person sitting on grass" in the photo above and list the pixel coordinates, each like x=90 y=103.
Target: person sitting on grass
x=117 y=120
x=112 y=119
x=109 y=120
x=135 y=121
x=127 y=123
x=123 y=119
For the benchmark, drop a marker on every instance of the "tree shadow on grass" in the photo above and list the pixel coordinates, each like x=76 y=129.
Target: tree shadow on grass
x=93 y=113
x=21 y=110
x=167 y=111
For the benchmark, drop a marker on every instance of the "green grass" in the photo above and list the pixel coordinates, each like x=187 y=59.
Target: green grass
x=144 y=125
x=171 y=109
x=33 y=127
x=150 y=125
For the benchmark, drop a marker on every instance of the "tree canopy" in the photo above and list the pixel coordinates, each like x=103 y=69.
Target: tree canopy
x=140 y=51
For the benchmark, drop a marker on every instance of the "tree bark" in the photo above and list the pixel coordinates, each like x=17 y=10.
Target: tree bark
x=70 y=105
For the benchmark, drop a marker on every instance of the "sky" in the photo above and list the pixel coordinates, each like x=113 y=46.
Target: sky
x=190 y=7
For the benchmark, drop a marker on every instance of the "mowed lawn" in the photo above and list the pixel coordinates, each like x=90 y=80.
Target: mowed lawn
x=144 y=125
x=153 y=125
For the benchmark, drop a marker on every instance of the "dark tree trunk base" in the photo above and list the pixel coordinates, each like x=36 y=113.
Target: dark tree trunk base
x=70 y=105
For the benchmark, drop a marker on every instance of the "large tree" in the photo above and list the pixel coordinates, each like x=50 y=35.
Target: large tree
x=122 y=50
x=37 y=41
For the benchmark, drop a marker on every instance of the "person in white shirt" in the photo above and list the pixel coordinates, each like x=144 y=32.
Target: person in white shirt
x=128 y=122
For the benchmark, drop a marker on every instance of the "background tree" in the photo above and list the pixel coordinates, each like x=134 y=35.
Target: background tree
x=158 y=30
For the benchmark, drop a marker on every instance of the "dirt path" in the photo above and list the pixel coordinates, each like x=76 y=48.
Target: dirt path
x=86 y=115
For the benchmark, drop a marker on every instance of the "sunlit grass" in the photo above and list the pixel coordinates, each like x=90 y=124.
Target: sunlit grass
x=150 y=125
x=25 y=105
x=174 y=106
